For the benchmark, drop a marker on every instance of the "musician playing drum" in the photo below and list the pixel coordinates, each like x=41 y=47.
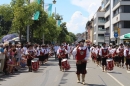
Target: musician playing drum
x=127 y=56
x=104 y=54
x=81 y=54
x=61 y=53
x=29 y=55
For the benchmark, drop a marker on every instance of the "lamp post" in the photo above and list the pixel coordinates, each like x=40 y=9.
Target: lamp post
x=54 y=2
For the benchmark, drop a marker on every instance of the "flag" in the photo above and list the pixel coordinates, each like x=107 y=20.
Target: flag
x=48 y=9
x=58 y=22
x=37 y=14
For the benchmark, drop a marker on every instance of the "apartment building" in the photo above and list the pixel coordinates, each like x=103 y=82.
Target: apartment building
x=117 y=14
x=99 y=29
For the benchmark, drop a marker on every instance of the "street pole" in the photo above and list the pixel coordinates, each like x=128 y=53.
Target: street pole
x=28 y=33
x=43 y=26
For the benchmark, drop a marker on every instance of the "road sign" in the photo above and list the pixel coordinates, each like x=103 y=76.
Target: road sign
x=115 y=34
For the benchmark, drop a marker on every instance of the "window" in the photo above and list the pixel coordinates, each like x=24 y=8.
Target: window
x=116 y=12
x=101 y=19
x=107 y=18
x=126 y=24
x=107 y=8
x=101 y=28
x=126 y=8
x=115 y=2
x=100 y=36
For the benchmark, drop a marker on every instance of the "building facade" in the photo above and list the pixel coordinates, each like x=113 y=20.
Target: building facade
x=117 y=15
x=99 y=30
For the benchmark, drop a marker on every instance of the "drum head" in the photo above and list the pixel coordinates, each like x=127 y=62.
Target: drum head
x=34 y=61
x=109 y=60
x=64 y=60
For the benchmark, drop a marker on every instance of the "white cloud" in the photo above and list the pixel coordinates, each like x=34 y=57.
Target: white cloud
x=90 y=6
x=77 y=23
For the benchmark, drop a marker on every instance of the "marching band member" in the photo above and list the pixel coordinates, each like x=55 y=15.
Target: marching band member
x=94 y=55
x=127 y=56
x=40 y=54
x=61 y=53
x=67 y=47
x=104 y=54
x=46 y=53
x=81 y=54
x=121 y=55
x=29 y=55
x=98 y=56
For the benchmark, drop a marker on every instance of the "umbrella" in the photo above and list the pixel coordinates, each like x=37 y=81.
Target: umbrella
x=8 y=37
x=127 y=35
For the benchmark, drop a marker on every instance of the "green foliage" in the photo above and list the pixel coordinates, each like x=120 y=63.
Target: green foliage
x=19 y=14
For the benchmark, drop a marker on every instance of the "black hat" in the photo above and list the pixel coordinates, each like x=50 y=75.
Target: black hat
x=103 y=43
x=81 y=41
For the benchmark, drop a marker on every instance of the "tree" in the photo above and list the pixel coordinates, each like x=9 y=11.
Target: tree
x=63 y=32
x=23 y=13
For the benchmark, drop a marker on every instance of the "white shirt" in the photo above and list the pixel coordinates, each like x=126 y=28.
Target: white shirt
x=125 y=52
x=56 y=48
x=81 y=48
x=61 y=49
x=112 y=51
x=100 y=51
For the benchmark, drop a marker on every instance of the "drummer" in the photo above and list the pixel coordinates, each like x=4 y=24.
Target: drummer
x=30 y=55
x=61 y=53
x=127 y=56
x=81 y=54
x=104 y=54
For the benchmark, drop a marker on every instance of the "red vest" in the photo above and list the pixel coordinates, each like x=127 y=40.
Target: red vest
x=65 y=47
x=114 y=54
x=127 y=54
x=31 y=54
x=121 y=51
x=61 y=53
x=81 y=54
x=104 y=52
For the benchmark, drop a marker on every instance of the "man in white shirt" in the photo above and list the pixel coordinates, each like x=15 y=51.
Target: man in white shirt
x=81 y=54
x=56 y=47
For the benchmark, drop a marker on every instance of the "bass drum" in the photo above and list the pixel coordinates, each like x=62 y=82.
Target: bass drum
x=65 y=64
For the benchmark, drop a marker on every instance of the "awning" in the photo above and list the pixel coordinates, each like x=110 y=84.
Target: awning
x=127 y=35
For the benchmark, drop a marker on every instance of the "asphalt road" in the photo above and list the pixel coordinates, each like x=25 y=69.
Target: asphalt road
x=50 y=75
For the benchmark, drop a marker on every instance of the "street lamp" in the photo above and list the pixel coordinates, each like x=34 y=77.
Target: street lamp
x=54 y=1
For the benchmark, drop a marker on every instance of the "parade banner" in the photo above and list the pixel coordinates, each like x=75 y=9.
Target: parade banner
x=48 y=9
x=58 y=22
x=37 y=14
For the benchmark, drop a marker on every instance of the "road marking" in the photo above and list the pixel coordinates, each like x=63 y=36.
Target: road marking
x=128 y=71
x=56 y=78
x=114 y=78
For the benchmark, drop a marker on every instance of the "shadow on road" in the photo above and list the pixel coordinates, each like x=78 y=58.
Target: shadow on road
x=115 y=72
x=94 y=85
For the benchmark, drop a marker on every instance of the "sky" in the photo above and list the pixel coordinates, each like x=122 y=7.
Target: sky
x=75 y=13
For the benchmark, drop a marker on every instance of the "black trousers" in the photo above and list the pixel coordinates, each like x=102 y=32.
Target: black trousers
x=121 y=59
x=81 y=68
x=55 y=55
x=60 y=59
x=104 y=62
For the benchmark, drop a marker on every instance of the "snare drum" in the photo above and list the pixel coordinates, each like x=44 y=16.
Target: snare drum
x=65 y=64
x=35 y=65
x=110 y=64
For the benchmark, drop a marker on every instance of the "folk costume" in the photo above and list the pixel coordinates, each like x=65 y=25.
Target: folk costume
x=127 y=56
x=81 y=55
x=29 y=55
x=40 y=54
x=121 y=55
x=67 y=47
x=61 y=53
x=104 y=54
x=98 y=56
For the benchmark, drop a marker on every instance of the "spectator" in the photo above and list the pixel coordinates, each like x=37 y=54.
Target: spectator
x=2 y=57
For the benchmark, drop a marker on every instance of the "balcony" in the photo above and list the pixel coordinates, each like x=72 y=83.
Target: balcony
x=107 y=24
x=121 y=17
x=107 y=13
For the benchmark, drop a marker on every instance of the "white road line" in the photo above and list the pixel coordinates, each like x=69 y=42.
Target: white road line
x=56 y=78
x=114 y=79
x=128 y=71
